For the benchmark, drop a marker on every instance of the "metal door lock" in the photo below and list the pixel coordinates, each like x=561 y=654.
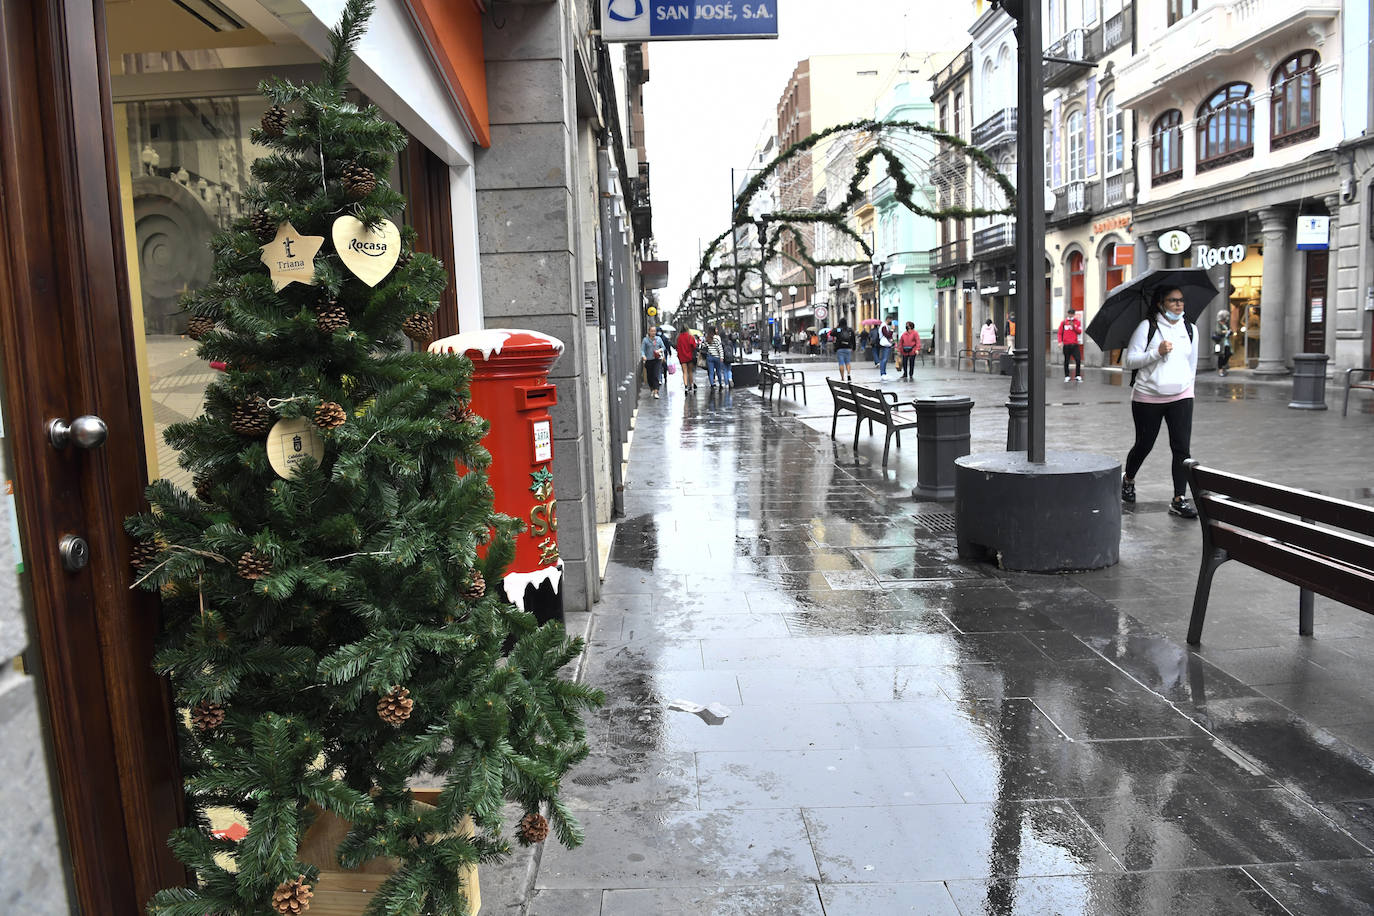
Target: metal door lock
x=76 y=553
x=83 y=432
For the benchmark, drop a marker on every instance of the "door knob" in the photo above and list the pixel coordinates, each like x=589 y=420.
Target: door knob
x=83 y=432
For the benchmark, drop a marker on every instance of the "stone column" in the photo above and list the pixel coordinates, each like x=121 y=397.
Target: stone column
x=1221 y=279
x=1342 y=270
x=527 y=224
x=1153 y=258
x=1274 y=230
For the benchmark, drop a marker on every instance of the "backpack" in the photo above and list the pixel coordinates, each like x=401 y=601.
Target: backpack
x=1150 y=335
x=844 y=338
x=886 y=335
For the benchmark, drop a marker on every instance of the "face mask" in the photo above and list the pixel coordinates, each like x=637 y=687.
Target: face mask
x=1173 y=316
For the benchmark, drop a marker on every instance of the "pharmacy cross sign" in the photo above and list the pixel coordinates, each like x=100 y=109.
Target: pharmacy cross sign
x=673 y=20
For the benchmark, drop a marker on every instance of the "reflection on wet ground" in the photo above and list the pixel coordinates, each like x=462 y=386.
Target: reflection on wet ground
x=913 y=734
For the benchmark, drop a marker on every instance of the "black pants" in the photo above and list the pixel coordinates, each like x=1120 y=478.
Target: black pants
x=1076 y=351
x=653 y=369
x=1179 y=416
x=908 y=365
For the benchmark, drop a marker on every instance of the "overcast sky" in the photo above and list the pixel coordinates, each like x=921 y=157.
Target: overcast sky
x=706 y=104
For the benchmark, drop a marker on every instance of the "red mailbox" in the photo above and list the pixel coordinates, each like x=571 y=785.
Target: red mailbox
x=510 y=388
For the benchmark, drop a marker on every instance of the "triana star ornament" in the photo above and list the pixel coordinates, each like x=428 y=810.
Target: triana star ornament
x=290 y=257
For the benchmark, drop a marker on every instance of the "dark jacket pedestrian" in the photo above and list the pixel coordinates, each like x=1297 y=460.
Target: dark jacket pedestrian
x=652 y=351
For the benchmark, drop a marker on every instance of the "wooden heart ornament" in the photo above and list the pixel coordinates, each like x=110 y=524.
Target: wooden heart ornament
x=369 y=254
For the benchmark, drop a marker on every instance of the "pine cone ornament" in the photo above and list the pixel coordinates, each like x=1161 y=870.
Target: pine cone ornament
x=330 y=415
x=419 y=328
x=206 y=716
x=264 y=226
x=144 y=553
x=460 y=413
x=534 y=828
x=358 y=181
x=251 y=418
x=274 y=121
x=332 y=318
x=202 y=484
x=199 y=326
x=405 y=258
x=395 y=707
x=254 y=565
x=292 y=897
x=475 y=586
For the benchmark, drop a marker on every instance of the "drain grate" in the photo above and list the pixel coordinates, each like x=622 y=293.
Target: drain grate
x=937 y=522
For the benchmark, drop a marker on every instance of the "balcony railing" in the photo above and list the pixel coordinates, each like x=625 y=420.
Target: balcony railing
x=1113 y=190
x=1076 y=197
x=1116 y=31
x=1075 y=201
x=1076 y=45
x=1000 y=128
x=951 y=254
x=994 y=239
x=884 y=188
x=860 y=272
x=946 y=76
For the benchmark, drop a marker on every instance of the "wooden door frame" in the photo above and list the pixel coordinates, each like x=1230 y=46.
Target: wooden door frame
x=67 y=339
x=1308 y=258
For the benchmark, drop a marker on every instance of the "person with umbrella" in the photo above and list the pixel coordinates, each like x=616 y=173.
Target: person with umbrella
x=1163 y=354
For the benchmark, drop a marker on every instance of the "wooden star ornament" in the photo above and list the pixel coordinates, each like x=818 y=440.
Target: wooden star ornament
x=290 y=257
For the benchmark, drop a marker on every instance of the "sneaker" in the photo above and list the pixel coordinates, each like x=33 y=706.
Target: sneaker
x=655 y=394
x=1182 y=506
x=1127 y=491
x=1068 y=378
x=1078 y=378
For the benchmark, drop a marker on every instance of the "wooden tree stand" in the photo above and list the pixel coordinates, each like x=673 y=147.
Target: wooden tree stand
x=341 y=892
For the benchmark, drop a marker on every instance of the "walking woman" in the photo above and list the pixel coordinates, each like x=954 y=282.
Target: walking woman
x=651 y=350
x=715 y=359
x=687 y=356
x=1163 y=353
x=911 y=347
x=844 y=349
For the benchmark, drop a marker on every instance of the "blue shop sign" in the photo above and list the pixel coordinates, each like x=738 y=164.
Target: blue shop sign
x=665 y=20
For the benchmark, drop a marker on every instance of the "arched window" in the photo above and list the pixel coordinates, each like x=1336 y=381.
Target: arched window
x=959 y=114
x=1076 y=288
x=1226 y=127
x=1295 y=100
x=992 y=103
x=1076 y=146
x=1006 y=75
x=1166 y=144
x=1113 y=136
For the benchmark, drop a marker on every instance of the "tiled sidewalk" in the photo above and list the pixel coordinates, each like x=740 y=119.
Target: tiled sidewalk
x=912 y=734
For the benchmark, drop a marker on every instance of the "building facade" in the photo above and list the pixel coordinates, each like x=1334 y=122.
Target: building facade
x=951 y=92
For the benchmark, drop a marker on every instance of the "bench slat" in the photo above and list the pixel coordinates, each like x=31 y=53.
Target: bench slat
x=1336 y=544
x=1324 y=509
x=1346 y=584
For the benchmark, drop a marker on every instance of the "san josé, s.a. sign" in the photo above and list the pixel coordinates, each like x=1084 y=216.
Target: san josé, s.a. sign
x=669 y=20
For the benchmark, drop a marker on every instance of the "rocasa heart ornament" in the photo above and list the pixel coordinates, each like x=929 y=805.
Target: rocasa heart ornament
x=369 y=254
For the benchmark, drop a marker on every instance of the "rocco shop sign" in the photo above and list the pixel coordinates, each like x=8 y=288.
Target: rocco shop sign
x=666 y=20
x=1207 y=257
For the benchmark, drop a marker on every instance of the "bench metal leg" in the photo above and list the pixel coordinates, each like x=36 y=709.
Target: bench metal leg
x=899 y=440
x=858 y=425
x=887 y=442
x=1346 y=405
x=832 y=425
x=1305 y=602
x=1211 y=559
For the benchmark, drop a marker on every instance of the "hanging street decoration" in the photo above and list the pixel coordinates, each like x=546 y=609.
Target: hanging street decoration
x=290 y=256
x=369 y=253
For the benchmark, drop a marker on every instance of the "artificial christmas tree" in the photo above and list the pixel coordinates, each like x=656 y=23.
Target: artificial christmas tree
x=320 y=615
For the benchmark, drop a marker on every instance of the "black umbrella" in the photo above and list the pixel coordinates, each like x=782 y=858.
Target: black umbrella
x=1129 y=304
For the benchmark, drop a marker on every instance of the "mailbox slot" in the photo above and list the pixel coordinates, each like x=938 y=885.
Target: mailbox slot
x=530 y=397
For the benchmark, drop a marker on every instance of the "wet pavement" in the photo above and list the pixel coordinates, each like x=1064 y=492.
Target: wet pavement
x=909 y=733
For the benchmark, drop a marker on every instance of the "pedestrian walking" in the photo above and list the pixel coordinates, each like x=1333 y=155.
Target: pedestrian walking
x=1221 y=342
x=715 y=359
x=910 y=344
x=886 y=338
x=687 y=355
x=730 y=348
x=1164 y=358
x=988 y=336
x=652 y=352
x=1009 y=332
x=1071 y=341
x=844 y=349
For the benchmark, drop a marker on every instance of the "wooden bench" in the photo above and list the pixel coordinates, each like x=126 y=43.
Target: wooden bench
x=986 y=354
x=1320 y=544
x=783 y=378
x=1352 y=380
x=878 y=406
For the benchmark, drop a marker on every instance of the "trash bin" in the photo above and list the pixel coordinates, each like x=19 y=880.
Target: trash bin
x=1309 y=381
x=511 y=390
x=942 y=435
x=745 y=374
x=1004 y=363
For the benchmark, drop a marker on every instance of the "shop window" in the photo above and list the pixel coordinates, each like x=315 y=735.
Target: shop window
x=1166 y=147
x=1077 y=146
x=1226 y=127
x=1076 y=288
x=1113 y=136
x=1178 y=9
x=1295 y=100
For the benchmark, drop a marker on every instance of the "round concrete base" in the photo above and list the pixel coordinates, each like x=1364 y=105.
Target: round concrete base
x=1061 y=515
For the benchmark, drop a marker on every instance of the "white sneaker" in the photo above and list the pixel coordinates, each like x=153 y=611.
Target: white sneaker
x=1078 y=378
x=655 y=394
x=1068 y=378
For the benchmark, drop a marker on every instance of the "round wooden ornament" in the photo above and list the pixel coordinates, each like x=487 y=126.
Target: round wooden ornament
x=290 y=442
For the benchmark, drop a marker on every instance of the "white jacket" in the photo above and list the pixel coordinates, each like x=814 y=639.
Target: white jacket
x=1162 y=376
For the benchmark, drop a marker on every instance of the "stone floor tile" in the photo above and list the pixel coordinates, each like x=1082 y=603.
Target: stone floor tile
x=560 y=902
x=1220 y=892
x=1319 y=887
x=840 y=685
x=736 y=780
x=782 y=900
x=926 y=899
